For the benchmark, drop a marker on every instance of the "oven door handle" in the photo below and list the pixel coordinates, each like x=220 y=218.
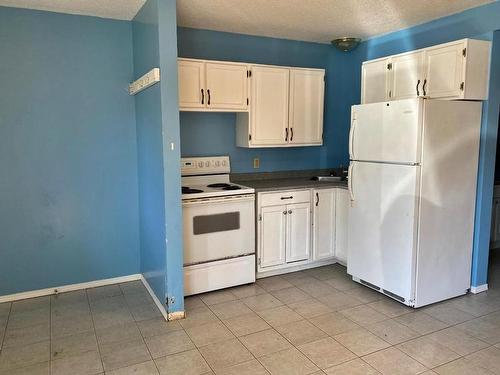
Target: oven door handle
x=232 y=199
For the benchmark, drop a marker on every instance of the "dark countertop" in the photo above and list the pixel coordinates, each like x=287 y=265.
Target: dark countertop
x=270 y=184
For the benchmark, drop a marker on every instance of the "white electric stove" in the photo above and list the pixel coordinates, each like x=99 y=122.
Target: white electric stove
x=219 y=226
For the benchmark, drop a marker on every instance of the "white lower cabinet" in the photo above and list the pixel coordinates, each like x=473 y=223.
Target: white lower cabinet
x=300 y=229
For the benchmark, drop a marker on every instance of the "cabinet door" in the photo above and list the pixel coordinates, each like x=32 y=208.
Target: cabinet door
x=298 y=232
x=406 y=75
x=269 y=113
x=272 y=236
x=341 y=221
x=444 y=71
x=374 y=81
x=192 y=93
x=323 y=223
x=226 y=86
x=307 y=90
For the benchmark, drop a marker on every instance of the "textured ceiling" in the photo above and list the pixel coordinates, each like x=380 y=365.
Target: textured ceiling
x=314 y=20
x=310 y=20
x=117 y=9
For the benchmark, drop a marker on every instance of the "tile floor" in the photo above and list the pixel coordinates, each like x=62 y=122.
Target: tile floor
x=310 y=322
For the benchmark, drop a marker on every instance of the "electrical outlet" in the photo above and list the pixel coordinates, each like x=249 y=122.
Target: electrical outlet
x=256 y=163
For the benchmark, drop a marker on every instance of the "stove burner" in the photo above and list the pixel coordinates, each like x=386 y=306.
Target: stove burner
x=231 y=187
x=218 y=185
x=188 y=190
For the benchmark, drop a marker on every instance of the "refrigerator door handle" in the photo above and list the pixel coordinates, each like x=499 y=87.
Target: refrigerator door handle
x=351 y=137
x=349 y=181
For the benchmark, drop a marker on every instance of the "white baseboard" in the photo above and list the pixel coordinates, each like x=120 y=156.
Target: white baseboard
x=68 y=288
x=479 y=289
x=158 y=304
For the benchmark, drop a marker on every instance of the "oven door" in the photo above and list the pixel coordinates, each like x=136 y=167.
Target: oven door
x=218 y=228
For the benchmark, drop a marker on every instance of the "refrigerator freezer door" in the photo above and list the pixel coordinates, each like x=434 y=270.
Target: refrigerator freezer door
x=383 y=225
x=387 y=132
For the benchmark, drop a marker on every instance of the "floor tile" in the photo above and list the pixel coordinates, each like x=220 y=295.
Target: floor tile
x=145 y=368
x=339 y=301
x=300 y=332
x=5 y=308
x=310 y=308
x=364 y=294
x=122 y=354
x=247 y=291
x=38 y=369
x=421 y=322
x=488 y=358
x=26 y=335
x=186 y=363
x=448 y=313
x=70 y=310
x=428 y=352
x=392 y=331
x=354 y=367
x=461 y=367
x=145 y=312
x=225 y=354
x=290 y=295
x=458 y=341
x=392 y=361
x=169 y=343
x=118 y=333
x=95 y=294
x=30 y=304
x=252 y=367
x=226 y=310
x=71 y=326
x=361 y=341
x=88 y=363
x=317 y=288
x=273 y=283
x=265 y=342
x=29 y=318
x=73 y=345
x=326 y=352
x=262 y=302
x=482 y=329
x=114 y=317
x=193 y=302
x=138 y=299
x=68 y=298
x=473 y=307
x=24 y=355
x=363 y=315
x=157 y=326
x=133 y=287
x=390 y=308
x=246 y=324
x=198 y=316
x=333 y=323
x=279 y=316
x=209 y=334
x=219 y=296
x=288 y=362
x=342 y=284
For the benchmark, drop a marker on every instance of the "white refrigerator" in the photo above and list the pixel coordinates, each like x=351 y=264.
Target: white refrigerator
x=412 y=184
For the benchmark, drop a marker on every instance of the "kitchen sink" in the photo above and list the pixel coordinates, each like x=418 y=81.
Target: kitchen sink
x=327 y=178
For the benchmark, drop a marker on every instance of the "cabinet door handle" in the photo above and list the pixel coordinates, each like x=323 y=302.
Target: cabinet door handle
x=208 y=92
x=286 y=135
x=317 y=199
x=283 y=198
x=423 y=87
x=418 y=84
x=202 y=97
x=291 y=134
x=289 y=212
x=284 y=212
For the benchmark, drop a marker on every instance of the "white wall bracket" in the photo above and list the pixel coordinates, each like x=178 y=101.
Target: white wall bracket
x=147 y=80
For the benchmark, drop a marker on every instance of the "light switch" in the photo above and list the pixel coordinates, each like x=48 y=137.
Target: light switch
x=256 y=163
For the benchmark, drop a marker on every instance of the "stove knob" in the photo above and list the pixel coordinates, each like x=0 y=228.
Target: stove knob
x=217 y=163
x=200 y=164
x=207 y=164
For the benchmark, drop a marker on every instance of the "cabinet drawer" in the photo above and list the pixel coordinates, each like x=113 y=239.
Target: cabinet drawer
x=284 y=197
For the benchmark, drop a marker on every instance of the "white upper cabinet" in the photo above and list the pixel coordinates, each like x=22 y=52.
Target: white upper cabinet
x=212 y=86
x=269 y=108
x=405 y=75
x=191 y=84
x=307 y=90
x=226 y=86
x=455 y=70
x=374 y=81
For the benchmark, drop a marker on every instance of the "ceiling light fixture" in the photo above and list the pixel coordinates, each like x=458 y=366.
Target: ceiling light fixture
x=346 y=44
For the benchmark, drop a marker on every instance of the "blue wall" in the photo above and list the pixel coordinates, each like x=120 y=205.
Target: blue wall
x=68 y=162
x=150 y=151
x=478 y=23
x=214 y=133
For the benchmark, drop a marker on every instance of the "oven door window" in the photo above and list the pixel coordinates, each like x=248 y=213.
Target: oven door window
x=216 y=223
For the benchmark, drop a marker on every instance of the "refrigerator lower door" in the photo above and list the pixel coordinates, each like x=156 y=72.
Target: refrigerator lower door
x=383 y=226
x=387 y=132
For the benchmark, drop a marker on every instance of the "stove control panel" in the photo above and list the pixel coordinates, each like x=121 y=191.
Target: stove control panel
x=205 y=165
